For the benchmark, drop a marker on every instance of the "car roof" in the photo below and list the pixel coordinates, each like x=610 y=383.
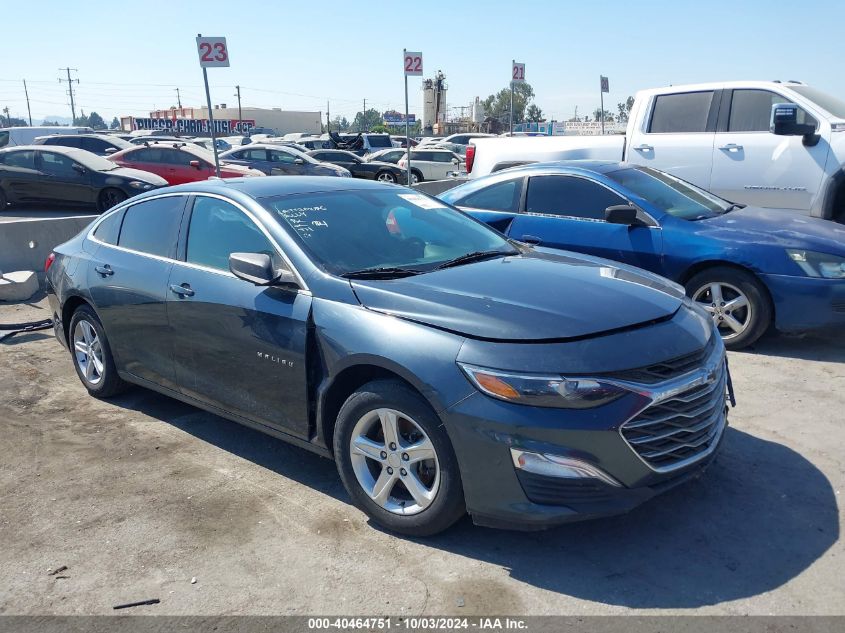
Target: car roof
x=271 y=186
x=57 y=149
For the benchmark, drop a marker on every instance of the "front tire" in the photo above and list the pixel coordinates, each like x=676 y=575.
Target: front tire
x=737 y=302
x=109 y=198
x=92 y=357
x=3 y=201
x=386 y=176
x=396 y=461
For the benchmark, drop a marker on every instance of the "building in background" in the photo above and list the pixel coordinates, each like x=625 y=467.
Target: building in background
x=434 y=102
x=194 y=121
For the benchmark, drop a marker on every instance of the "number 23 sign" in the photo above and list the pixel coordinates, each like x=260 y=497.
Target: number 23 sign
x=413 y=63
x=212 y=52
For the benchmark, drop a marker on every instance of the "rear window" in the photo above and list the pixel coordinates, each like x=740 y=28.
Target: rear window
x=153 y=226
x=24 y=159
x=107 y=231
x=65 y=141
x=379 y=141
x=686 y=112
x=503 y=196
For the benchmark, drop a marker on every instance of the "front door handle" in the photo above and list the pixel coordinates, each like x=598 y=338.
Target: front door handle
x=183 y=291
x=731 y=147
x=644 y=148
x=104 y=270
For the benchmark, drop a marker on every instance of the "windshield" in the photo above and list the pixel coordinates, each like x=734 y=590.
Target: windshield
x=672 y=195
x=346 y=231
x=831 y=104
x=92 y=161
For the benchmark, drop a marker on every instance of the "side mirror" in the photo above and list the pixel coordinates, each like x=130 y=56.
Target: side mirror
x=195 y=164
x=298 y=161
x=257 y=268
x=784 y=122
x=111 y=150
x=622 y=214
x=79 y=169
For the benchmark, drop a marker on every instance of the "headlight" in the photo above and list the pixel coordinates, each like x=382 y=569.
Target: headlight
x=819 y=264
x=137 y=184
x=542 y=390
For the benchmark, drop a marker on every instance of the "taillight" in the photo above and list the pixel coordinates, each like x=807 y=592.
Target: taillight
x=49 y=261
x=470 y=158
x=403 y=163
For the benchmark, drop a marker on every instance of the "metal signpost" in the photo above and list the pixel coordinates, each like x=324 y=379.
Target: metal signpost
x=605 y=87
x=412 y=62
x=213 y=53
x=517 y=77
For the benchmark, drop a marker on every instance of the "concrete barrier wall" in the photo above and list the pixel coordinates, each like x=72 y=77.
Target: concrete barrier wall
x=433 y=187
x=25 y=244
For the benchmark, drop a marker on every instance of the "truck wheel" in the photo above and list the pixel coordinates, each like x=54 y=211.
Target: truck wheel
x=92 y=356
x=737 y=302
x=396 y=461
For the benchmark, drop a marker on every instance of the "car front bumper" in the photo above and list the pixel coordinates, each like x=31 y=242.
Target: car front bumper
x=806 y=303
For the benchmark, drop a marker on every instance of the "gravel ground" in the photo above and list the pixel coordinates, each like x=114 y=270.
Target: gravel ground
x=141 y=495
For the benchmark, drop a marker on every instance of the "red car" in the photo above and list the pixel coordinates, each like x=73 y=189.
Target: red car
x=178 y=162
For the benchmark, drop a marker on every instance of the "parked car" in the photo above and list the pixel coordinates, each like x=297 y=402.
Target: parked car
x=205 y=142
x=278 y=160
x=403 y=141
x=178 y=162
x=99 y=144
x=10 y=136
x=159 y=138
x=748 y=267
x=432 y=164
x=391 y=156
x=312 y=143
x=374 y=170
x=457 y=143
x=412 y=344
x=762 y=143
x=69 y=176
x=358 y=143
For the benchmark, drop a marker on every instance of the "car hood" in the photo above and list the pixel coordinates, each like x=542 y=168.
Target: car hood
x=539 y=296
x=137 y=174
x=776 y=227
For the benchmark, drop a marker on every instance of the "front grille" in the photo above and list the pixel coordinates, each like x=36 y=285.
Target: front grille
x=678 y=429
x=667 y=370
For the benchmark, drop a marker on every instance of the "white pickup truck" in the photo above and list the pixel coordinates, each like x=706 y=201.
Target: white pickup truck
x=727 y=137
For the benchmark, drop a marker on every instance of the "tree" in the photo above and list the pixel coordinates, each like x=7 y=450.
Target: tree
x=115 y=124
x=81 y=121
x=608 y=116
x=15 y=122
x=534 y=114
x=365 y=121
x=340 y=124
x=625 y=109
x=96 y=121
x=50 y=123
x=498 y=106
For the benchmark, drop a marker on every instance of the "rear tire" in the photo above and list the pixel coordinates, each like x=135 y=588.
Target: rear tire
x=386 y=176
x=396 y=461
x=109 y=198
x=737 y=302
x=416 y=176
x=3 y=201
x=91 y=353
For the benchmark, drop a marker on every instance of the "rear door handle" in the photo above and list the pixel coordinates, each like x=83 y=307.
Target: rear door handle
x=183 y=291
x=731 y=147
x=104 y=270
x=644 y=148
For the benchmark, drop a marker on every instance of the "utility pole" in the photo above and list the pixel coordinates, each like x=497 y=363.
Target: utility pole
x=240 y=116
x=70 y=90
x=178 y=99
x=8 y=117
x=364 y=117
x=513 y=61
x=28 y=111
x=328 y=117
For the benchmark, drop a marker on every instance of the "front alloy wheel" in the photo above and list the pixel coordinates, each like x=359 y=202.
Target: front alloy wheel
x=394 y=461
x=728 y=306
x=386 y=176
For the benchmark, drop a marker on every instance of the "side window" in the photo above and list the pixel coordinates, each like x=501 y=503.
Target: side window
x=219 y=229
x=443 y=157
x=57 y=165
x=153 y=226
x=256 y=154
x=569 y=196
x=277 y=156
x=22 y=160
x=460 y=140
x=175 y=157
x=96 y=145
x=685 y=112
x=146 y=155
x=65 y=141
x=108 y=230
x=427 y=156
x=503 y=196
x=751 y=110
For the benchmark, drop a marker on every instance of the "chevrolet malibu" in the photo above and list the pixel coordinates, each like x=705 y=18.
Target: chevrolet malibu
x=445 y=368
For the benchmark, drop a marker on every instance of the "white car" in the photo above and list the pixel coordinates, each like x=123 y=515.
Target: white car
x=769 y=144
x=10 y=136
x=432 y=164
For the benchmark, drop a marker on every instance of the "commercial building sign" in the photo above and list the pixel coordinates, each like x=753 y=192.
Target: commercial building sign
x=397 y=118
x=192 y=126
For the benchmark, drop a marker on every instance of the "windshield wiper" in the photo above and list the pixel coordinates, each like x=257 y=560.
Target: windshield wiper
x=474 y=257
x=380 y=272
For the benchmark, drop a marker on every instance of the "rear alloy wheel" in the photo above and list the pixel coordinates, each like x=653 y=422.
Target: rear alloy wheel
x=109 y=198
x=416 y=177
x=736 y=302
x=395 y=460
x=385 y=176
x=92 y=357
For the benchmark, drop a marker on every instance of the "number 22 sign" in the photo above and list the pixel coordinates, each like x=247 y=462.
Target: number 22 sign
x=213 y=52
x=413 y=63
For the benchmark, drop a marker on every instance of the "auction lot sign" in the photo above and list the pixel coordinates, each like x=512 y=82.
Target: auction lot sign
x=191 y=126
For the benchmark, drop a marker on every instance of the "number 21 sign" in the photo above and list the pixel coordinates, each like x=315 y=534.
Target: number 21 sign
x=413 y=63
x=518 y=73
x=213 y=52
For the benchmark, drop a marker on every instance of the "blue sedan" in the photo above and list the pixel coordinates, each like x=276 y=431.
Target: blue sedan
x=749 y=268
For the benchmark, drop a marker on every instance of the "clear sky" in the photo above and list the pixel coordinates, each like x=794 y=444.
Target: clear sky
x=295 y=54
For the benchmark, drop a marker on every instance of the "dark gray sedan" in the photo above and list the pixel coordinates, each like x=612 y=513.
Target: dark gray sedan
x=280 y=160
